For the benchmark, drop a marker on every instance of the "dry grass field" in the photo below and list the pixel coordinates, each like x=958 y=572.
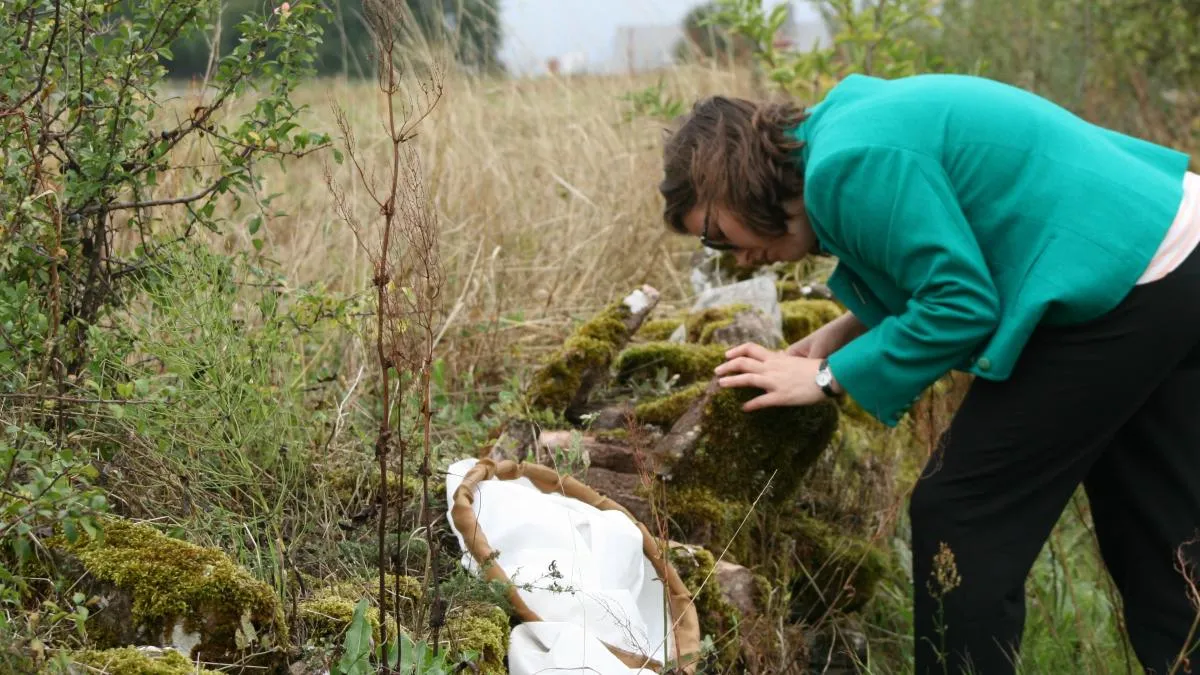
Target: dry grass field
x=545 y=195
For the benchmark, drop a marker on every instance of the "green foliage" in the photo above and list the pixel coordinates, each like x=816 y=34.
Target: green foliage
x=874 y=37
x=653 y=102
x=1073 y=620
x=220 y=383
x=86 y=157
x=404 y=656
x=470 y=28
x=1131 y=65
x=45 y=485
x=356 y=647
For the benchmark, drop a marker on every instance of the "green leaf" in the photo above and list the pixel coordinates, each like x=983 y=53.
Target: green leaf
x=337 y=156
x=21 y=546
x=356 y=646
x=409 y=659
x=255 y=224
x=393 y=653
x=69 y=530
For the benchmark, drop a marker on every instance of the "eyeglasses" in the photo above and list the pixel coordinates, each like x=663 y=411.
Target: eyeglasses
x=709 y=243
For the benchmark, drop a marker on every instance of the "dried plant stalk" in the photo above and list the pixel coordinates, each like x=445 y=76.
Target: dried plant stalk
x=403 y=250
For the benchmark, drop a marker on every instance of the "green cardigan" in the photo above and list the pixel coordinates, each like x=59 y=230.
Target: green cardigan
x=964 y=213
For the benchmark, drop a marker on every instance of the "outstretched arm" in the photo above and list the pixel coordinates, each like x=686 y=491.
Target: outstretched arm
x=895 y=211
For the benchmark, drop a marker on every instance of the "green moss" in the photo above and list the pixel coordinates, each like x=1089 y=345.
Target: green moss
x=700 y=325
x=718 y=618
x=664 y=411
x=170 y=580
x=827 y=570
x=786 y=546
x=802 y=317
x=697 y=515
x=659 y=329
x=329 y=612
x=131 y=661
x=327 y=617
x=738 y=452
x=592 y=346
x=788 y=289
x=482 y=629
x=731 y=270
x=611 y=435
x=690 y=362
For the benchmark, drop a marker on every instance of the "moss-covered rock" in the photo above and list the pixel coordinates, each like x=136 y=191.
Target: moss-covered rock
x=690 y=362
x=471 y=626
x=699 y=325
x=863 y=473
x=718 y=619
x=789 y=289
x=659 y=329
x=802 y=317
x=733 y=324
x=665 y=410
x=159 y=591
x=738 y=452
x=329 y=612
x=823 y=569
x=590 y=348
x=698 y=516
x=133 y=661
x=481 y=629
x=326 y=617
x=828 y=570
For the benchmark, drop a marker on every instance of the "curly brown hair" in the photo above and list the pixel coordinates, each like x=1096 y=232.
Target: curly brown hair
x=737 y=154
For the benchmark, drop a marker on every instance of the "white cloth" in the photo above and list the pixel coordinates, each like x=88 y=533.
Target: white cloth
x=560 y=649
x=579 y=568
x=1182 y=237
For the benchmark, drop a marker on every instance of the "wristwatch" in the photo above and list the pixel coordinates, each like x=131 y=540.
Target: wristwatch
x=825 y=379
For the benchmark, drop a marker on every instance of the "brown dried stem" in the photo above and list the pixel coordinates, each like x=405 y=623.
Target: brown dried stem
x=407 y=275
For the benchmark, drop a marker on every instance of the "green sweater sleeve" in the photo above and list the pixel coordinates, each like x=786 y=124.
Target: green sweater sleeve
x=894 y=211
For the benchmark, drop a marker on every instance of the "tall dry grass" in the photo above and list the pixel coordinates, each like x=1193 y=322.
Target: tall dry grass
x=545 y=194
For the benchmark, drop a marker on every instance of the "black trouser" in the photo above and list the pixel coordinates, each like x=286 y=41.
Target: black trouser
x=1113 y=404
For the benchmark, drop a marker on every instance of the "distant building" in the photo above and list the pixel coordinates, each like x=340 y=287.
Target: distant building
x=645 y=47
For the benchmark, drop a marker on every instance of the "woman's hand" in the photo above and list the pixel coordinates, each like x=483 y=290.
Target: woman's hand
x=786 y=380
x=829 y=338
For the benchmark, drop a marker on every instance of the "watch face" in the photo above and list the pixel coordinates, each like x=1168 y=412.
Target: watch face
x=823 y=378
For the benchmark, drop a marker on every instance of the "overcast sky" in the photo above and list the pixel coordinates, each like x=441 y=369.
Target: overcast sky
x=536 y=30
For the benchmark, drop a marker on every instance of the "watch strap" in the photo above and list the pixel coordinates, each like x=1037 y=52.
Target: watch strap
x=826 y=387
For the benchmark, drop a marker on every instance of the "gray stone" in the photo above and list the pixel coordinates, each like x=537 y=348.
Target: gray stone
x=759 y=293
